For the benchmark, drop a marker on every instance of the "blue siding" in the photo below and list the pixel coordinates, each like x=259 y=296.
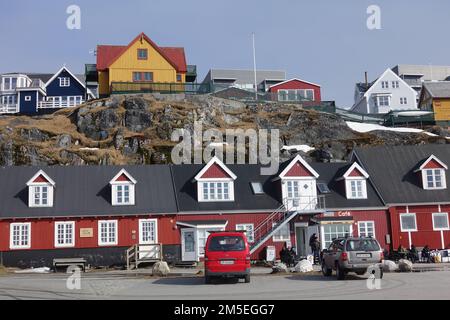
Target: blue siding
x=28 y=107
x=75 y=88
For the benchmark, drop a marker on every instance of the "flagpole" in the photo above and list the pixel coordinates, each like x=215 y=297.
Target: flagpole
x=254 y=66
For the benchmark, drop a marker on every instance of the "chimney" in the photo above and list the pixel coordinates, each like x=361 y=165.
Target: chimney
x=367 y=81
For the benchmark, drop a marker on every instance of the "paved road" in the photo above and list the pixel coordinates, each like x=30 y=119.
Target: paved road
x=424 y=285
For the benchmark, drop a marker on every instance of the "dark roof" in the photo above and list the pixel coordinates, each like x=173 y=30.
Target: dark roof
x=329 y=173
x=45 y=77
x=85 y=191
x=392 y=170
x=362 y=87
x=244 y=199
x=440 y=89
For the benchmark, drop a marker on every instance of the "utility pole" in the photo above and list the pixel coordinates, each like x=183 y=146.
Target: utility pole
x=254 y=66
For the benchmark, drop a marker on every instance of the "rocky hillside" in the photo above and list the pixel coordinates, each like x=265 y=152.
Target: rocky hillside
x=137 y=129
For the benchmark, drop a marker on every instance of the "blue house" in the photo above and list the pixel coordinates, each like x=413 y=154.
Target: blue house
x=34 y=94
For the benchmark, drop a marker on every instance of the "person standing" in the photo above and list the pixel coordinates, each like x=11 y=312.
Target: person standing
x=314 y=243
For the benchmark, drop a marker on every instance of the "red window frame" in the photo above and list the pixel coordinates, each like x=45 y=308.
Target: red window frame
x=142 y=76
x=139 y=56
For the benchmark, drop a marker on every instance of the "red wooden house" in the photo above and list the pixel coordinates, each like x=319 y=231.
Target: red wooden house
x=297 y=90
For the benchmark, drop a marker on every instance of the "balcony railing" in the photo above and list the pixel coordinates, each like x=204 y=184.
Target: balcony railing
x=9 y=108
x=58 y=104
x=153 y=87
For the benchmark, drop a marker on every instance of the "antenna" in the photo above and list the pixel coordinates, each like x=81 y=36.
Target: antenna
x=93 y=52
x=254 y=66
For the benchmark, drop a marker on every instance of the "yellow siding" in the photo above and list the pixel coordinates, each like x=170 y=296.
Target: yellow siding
x=122 y=69
x=441 y=109
x=103 y=83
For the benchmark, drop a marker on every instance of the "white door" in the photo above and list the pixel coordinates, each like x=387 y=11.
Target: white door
x=188 y=245
x=148 y=234
x=308 y=195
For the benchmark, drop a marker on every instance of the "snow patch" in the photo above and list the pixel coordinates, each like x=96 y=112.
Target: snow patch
x=368 y=127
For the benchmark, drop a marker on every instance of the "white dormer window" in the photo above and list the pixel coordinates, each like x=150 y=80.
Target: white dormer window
x=355 y=182
x=216 y=191
x=215 y=182
x=435 y=178
x=357 y=189
x=40 y=190
x=64 y=82
x=433 y=174
x=123 y=189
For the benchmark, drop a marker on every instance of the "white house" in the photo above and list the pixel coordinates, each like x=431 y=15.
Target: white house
x=388 y=93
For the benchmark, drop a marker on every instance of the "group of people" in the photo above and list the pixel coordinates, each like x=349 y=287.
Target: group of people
x=413 y=254
x=287 y=256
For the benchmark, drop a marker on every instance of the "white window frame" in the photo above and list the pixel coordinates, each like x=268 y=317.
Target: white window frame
x=207 y=231
x=11 y=235
x=115 y=194
x=284 y=94
x=385 y=84
x=401 y=222
x=64 y=82
x=214 y=185
x=72 y=240
x=324 y=243
x=249 y=232
x=364 y=224
x=349 y=192
x=378 y=101
x=294 y=185
x=395 y=84
x=425 y=179
x=141 y=231
x=279 y=236
x=116 y=233
x=32 y=194
x=440 y=214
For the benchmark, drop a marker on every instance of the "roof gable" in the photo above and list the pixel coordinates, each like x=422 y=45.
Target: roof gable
x=432 y=162
x=121 y=177
x=108 y=55
x=381 y=78
x=40 y=178
x=295 y=80
x=298 y=167
x=355 y=171
x=65 y=69
x=215 y=169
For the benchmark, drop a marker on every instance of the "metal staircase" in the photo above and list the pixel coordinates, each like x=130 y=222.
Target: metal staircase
x=283 y=215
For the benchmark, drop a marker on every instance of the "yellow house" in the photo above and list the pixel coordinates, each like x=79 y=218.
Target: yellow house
x=140 y=66
x=435 y=97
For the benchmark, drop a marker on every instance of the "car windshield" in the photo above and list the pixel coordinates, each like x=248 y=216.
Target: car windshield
x=362 y=245
x=227 y=243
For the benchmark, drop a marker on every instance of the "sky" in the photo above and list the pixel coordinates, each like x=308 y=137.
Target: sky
x=322 y=41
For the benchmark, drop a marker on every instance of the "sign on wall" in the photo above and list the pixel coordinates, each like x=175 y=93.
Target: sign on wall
x=86 y=232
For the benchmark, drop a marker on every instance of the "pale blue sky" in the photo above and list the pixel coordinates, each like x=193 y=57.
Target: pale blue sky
x=326 y=42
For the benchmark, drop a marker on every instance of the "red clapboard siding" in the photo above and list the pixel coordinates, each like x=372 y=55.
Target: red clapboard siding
x=40 y=179
x=215 y=171
x=43 y=231
x=425 y=234
x=297 y=84
x=356 y=173
x=298 y=170
x=433 y=164
x=381 y=221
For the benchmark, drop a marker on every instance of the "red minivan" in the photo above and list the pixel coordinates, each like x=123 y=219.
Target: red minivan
x=227 y=255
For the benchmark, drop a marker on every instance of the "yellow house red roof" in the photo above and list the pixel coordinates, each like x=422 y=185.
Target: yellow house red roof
x=107 y=54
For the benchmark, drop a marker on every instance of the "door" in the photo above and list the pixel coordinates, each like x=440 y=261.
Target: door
x=148 y=235
x=308 y=195
x=309 y=232
x=301 y=241
x=188 y=252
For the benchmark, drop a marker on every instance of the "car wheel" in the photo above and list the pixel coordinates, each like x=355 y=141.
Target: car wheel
x=340 y=274
x=325 y=271
x=247 y=278
x=208 y=280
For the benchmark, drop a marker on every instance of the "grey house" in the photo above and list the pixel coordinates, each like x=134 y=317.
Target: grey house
x=220 y=79
x=415 y=75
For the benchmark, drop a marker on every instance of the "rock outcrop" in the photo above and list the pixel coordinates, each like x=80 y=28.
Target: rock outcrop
x=137 y=130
